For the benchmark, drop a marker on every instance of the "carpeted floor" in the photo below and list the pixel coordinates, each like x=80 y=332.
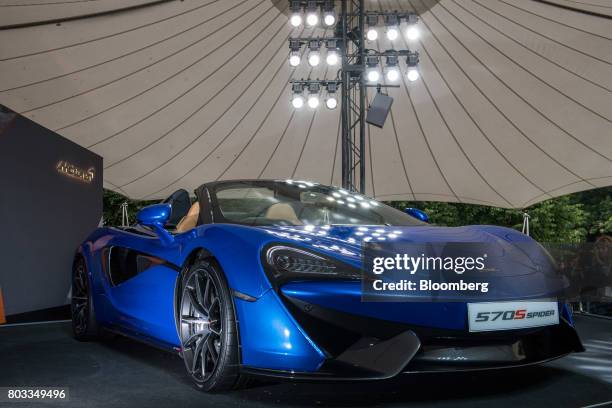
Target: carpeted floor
x=123 y=373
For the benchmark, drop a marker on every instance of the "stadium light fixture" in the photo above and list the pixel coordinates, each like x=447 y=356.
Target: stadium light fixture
x=392 y=68
x=298 y=99
x=392 y=22
x=314 y=58
x=294 y=57
x=329 y=14
x=333 y=57
x=312 y=15
x=296 y=16
x=372 y=68
x=332 y=101
x=412 y=32
x=412 y=60
x=372 y=33
x=313 y=95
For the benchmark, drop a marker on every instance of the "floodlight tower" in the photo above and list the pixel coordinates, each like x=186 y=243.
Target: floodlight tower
x=352 y=25
x=361 y=68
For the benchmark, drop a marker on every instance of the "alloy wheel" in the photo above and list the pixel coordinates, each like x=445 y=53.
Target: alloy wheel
x=80 y=298
x=200 y=325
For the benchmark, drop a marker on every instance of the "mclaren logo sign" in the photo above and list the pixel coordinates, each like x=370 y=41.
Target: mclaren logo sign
x=70 y=170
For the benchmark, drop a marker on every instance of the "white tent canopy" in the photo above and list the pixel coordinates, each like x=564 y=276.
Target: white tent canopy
x=514 y=104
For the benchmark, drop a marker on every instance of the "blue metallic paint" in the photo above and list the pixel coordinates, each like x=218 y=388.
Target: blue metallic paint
x=269 y=335
x=154 y=214
x=418 y=214
x=274 y=341
x=145 y=304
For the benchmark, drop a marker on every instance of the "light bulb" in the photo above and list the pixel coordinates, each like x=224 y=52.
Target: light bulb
x=332 y=58
x=312 y=19
x=297 y=101
x=392 y=33
x=331 y=102
x=392 y=74
x=295 y=20
x=294 y=60
x=313 y=101
x=373 y=75
x=413 y=74
x=329 y=19
x=314 y=58
x=372 y=34
x=412 y=33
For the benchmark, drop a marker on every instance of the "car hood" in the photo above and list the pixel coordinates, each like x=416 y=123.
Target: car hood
x=509 y=252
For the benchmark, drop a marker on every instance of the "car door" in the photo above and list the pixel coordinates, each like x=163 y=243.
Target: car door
x=140 y=282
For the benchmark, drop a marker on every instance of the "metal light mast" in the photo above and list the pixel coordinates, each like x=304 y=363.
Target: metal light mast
x=353 y=95
x=350 y=41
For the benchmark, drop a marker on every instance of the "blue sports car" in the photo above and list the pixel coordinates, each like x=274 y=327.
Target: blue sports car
x=263 y=278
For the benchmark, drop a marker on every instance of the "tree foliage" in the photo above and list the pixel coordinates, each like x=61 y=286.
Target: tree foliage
x=597 y=205
x=569 y=219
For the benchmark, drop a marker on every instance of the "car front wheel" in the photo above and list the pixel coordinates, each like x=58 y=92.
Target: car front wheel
x=207 y=328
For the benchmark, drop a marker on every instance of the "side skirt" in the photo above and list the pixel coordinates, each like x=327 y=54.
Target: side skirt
x=149 y=341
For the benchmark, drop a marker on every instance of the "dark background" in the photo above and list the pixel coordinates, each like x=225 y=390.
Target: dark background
x=44 y=215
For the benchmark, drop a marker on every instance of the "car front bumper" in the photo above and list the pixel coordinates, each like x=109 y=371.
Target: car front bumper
x=336 y=340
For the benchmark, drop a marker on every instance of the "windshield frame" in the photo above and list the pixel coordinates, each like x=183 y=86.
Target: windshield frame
x=219 y=218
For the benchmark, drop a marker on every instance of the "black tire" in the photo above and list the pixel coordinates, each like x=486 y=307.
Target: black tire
x=84 y=324
x=207 y=328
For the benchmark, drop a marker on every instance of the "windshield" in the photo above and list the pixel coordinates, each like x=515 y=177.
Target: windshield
x=301 y=203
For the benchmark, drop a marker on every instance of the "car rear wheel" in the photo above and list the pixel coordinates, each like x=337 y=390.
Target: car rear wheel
x=207 y=328
x=84 y=325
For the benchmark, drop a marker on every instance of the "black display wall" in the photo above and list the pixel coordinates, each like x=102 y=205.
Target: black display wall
x=50 y=200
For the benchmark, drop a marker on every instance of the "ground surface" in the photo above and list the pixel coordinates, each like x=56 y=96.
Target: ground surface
x=123 y=373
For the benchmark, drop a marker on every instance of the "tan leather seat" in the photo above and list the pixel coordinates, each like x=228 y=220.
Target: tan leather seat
x=190 y=220
x=283 y=211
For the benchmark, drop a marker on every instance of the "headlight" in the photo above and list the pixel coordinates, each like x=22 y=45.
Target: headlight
x=293 y=260
x=283 y=263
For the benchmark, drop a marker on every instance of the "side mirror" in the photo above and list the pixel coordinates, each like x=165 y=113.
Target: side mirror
x=156 y=216
x=418 y=214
